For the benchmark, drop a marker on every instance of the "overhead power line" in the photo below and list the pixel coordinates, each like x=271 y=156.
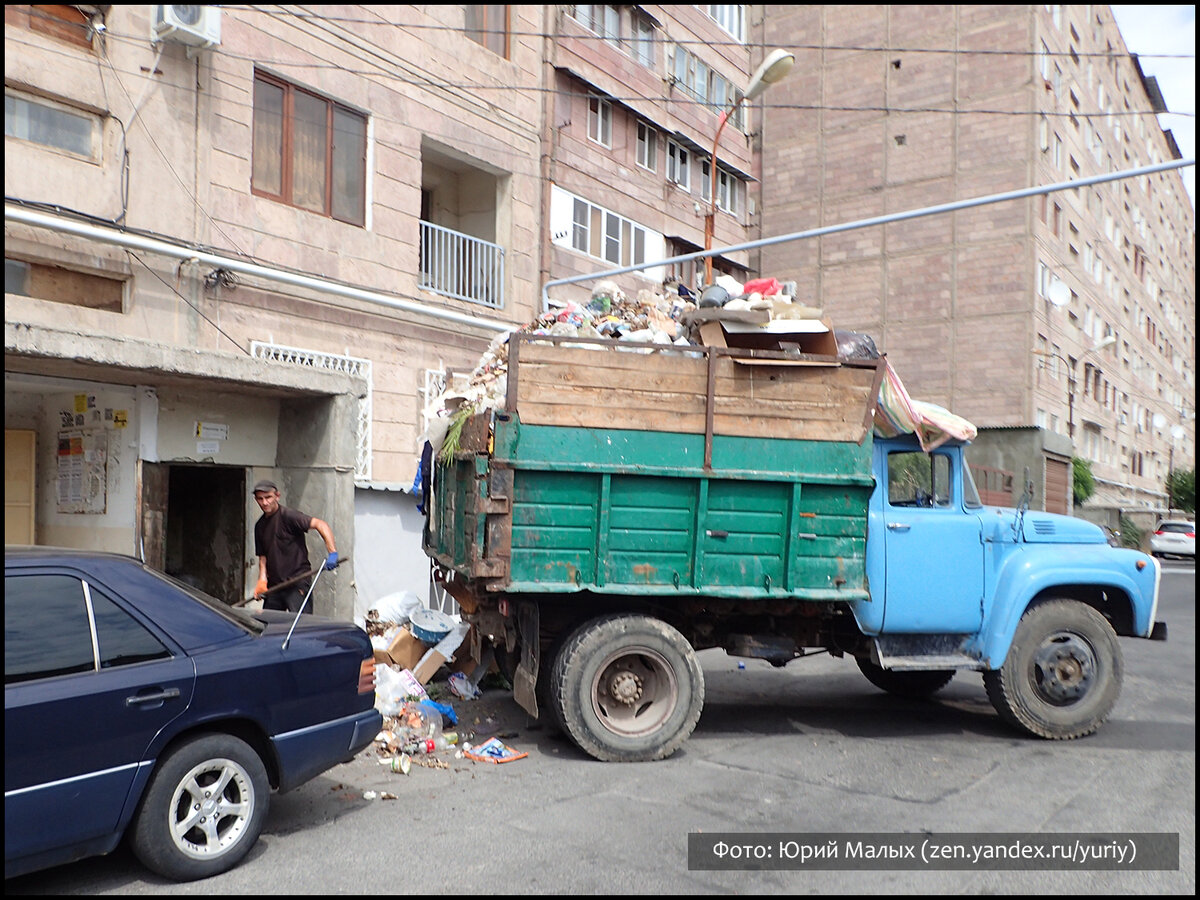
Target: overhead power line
x=678 y=97
x=701 y=42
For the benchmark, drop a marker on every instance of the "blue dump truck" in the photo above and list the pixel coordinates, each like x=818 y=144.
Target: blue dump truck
x=626 y=507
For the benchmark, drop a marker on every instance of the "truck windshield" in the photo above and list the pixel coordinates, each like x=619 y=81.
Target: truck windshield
x=970 y=493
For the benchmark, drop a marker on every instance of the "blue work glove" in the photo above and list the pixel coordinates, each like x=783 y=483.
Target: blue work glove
x=331 y=561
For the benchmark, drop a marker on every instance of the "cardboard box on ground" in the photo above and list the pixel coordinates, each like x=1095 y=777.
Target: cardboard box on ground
x=407 y=651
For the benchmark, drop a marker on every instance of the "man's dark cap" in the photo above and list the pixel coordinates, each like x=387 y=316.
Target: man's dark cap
x=265 y=485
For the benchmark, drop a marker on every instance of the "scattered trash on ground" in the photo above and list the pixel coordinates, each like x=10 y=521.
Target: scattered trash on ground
x=493 y=750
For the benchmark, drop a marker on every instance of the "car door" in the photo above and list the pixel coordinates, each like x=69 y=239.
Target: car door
x=87 y=686
x=934 y=549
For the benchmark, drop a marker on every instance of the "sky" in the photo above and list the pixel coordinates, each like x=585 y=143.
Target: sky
x=1168 y=30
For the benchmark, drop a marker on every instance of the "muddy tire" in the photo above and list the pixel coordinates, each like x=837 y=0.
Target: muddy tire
x=1063 y=672
x=628 y=688
x=912 y=685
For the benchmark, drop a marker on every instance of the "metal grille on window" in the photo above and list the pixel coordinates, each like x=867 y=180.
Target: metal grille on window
x=351 y=365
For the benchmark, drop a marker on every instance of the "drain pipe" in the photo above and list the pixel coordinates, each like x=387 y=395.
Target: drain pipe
x=129 y=241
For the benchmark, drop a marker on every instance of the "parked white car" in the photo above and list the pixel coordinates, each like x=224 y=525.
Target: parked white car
x=1174 y=537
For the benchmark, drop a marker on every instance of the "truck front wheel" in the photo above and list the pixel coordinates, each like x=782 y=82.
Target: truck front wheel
x=628 y=688
x=1063 y=672
x=913 y=685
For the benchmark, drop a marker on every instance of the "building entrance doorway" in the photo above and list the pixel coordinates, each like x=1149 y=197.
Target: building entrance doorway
x=194 y=525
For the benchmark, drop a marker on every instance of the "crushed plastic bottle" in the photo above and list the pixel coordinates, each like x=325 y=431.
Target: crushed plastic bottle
x=434 y=744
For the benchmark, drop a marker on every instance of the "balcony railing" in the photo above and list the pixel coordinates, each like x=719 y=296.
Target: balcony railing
x=460 y=266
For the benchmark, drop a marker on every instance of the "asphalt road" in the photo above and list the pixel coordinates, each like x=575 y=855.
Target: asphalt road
x=811 y=749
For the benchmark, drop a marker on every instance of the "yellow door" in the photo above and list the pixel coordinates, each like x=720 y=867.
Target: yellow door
x=20 y=447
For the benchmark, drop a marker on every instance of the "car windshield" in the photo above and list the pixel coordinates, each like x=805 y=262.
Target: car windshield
x=1177 y=527
x=239 y=617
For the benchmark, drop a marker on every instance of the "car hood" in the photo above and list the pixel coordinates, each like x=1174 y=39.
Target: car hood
x=1042 y=528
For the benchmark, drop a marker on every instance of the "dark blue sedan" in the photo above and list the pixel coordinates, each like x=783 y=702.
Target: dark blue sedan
x=136 y=705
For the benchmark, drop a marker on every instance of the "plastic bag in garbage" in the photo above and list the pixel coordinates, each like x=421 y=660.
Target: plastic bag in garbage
x=393 y=689
x=461 y=685
x=396 y=608
x=855 y=345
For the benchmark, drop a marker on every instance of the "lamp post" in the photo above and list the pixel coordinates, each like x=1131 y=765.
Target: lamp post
x=772 y=69
x=1107 y=341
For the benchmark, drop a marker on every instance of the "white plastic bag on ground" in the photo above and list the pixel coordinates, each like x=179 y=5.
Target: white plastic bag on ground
x=394 y=687
x=398 y=607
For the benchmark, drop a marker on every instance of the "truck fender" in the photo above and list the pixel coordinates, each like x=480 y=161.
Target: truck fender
x=1040 y=568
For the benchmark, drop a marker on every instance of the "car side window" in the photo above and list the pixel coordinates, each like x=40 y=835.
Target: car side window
x=47 y=631
x=919 y=479
x=46 y=628
x=123 y=640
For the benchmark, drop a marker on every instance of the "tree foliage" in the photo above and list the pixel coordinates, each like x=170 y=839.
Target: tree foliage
x=1181 y=486
x=1084 y=482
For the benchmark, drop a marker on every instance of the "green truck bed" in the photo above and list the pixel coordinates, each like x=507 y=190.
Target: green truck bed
x=663 y=471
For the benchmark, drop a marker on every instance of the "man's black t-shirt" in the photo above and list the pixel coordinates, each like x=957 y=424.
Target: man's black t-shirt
x=280 y=538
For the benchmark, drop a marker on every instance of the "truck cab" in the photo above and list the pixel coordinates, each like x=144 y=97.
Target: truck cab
x=956 y=584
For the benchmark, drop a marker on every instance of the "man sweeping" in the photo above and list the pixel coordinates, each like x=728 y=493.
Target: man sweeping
x=279 y=543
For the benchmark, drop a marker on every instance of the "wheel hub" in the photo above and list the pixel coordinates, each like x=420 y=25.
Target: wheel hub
x=625 y=687
x=1063 y=669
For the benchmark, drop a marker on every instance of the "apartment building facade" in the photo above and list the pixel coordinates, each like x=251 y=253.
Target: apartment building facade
x=247 y=242
x=1070 y=314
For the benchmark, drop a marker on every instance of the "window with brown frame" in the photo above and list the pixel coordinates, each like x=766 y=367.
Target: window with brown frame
x=487 y=25
x=309 y=152
x=60 y=21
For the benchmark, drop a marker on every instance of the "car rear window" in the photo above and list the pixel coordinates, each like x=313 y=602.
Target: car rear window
x=240 y=617
x=1178 y=527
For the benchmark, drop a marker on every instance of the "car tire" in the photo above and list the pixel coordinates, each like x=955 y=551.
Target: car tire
x=1063 y=672
x=628 y=688
x=911 y=685
x=203 y=810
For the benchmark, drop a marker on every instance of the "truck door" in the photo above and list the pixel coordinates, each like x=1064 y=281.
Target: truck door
x=934 y=551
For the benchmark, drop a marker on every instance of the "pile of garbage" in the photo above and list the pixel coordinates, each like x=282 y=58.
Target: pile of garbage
x=654 y=317
x=411 y=644
x=756 y=309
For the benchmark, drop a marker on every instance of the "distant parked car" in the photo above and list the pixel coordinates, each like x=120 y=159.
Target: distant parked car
x=1174 y=537
x=135 y=705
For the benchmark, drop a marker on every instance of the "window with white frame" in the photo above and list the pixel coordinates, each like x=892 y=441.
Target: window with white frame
x=731 y=18
x=603 y=19
x=720 y=93
x=605 y=235
x=695 y=78
x=51 y=125
x=1043 y=281
x=642 y=41
x=647 y=147
x=729 y=187
x=600 y=121
x=678 y=165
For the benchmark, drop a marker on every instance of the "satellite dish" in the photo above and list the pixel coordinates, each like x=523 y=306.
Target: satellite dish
x=1059 y=294
x=1178 y=431
x=1159 y=420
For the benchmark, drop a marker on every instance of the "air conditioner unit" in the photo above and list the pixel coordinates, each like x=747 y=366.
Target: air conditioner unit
x=196 y=26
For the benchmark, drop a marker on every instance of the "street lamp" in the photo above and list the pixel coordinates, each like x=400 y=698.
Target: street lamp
x=772 y=69
x=1106 y=341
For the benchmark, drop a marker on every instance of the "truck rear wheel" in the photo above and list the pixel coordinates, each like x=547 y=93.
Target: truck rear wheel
x=1063 y=672
x=628 y=688
x=913 y=685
